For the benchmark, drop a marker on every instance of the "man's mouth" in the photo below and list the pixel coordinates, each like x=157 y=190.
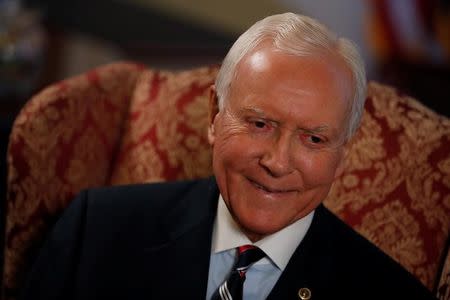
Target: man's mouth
x=268 y=189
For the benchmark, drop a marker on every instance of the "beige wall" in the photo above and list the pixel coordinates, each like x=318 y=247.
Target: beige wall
x=229 y=16
x=345 y=17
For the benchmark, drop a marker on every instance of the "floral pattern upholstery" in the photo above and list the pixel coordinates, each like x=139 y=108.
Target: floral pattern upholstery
x=63 y=140
x=395 y=189
x=165 y=132
x=123 y=124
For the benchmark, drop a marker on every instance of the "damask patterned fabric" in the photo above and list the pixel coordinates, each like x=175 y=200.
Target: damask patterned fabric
x=165 y=132
x=64 y=140
x=123 y=124
x=395 y=189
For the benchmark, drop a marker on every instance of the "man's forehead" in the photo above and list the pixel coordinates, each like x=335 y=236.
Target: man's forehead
x=256 y=59
x=302 y=78
x=266 y=56
x=263 y=58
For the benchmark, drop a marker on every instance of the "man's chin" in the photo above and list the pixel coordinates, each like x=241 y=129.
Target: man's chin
x=256 y=231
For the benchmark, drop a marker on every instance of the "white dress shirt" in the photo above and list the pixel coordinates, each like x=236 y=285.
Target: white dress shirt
x=262 y=276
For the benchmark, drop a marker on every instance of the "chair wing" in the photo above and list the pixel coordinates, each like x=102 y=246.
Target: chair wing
x=64 y=140
x=395 y=189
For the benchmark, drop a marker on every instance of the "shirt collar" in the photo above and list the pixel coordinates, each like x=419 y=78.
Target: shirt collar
x=227 y=235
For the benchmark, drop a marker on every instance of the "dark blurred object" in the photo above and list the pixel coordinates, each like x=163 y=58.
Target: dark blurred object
x=417 y=31
x=5 y=128
x=22 y=47
x=83 y=34
x=411 y=41
x=141 y=32
x=429 y=83
x=22 y=51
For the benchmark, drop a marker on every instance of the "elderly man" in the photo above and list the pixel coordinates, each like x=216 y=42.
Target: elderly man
x=287 y=99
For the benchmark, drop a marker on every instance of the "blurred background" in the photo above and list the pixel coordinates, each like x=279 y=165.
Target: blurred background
x=405 y=43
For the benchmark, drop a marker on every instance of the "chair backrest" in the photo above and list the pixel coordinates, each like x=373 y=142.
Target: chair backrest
x=165 y=130
x=123 y=124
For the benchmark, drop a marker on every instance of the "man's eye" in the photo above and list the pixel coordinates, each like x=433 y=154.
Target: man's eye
x=259 y=124
x=315 y=139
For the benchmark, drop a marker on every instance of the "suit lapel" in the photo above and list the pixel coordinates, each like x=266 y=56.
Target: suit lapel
x=310 y=265
x=183 y=260
x=182 y=265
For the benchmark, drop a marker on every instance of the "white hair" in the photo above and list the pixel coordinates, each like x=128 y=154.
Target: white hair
x=301 y=36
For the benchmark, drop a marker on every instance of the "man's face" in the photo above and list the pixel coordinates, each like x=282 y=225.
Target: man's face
x=278 y=141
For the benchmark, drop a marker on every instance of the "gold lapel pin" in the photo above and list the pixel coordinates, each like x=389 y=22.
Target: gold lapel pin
x=304 y=294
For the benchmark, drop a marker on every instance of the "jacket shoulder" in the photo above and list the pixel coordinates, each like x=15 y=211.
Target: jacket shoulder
x=357 y=260
x=143 y=198
x=141 y=209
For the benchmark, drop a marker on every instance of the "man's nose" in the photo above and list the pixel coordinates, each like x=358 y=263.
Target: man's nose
x=276 y=159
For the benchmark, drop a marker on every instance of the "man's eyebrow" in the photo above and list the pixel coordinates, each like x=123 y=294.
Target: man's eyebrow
x=253 y=110
x=317 y=129
x=259 y=112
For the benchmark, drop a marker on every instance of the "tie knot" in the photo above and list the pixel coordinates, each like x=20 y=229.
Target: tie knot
x=247 y=255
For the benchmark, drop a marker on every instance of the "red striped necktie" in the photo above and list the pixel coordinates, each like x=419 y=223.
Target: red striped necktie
x=231 y=289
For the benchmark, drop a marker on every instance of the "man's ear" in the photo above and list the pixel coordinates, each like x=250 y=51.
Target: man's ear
x=213 y=110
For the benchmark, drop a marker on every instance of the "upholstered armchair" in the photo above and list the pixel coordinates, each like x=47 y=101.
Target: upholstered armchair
x=123 y=123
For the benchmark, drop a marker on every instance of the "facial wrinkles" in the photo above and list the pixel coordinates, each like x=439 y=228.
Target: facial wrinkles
x=341 y=76
x=335 y=137
x=231 y=124
x=294 y=131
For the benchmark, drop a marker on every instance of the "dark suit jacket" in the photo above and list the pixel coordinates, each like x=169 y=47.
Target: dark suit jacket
x=153 y=242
